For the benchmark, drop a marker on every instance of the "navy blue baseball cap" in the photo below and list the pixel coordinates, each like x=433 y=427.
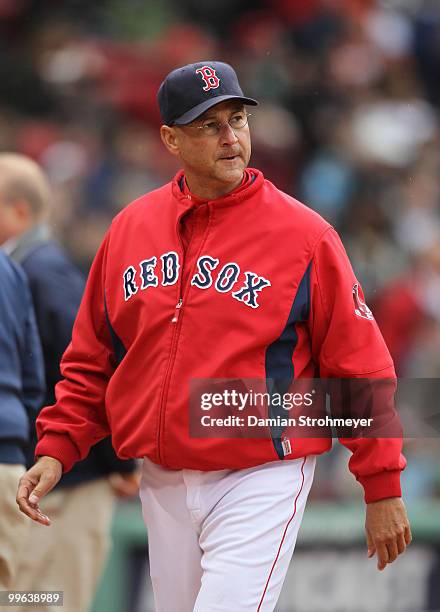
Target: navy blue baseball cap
x=187 y=92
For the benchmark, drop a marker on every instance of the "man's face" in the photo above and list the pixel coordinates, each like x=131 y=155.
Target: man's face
x=215 y=158
x=10 y=221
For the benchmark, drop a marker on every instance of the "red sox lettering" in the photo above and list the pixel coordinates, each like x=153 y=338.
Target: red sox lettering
x=227 y=277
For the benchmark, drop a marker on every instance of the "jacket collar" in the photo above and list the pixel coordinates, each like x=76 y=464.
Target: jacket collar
x=185 y=202
x=20 y=247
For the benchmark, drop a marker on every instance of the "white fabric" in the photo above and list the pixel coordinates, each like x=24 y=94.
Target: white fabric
x=222 y=541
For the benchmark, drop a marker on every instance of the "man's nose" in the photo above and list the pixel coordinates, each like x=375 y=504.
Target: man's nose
x=227 y=134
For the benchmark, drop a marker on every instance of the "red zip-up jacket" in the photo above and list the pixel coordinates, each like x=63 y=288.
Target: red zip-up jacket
x=244 y=286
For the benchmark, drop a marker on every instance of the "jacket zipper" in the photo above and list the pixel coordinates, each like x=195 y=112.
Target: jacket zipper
x=179 y=304
x=176 y=321
x=167 y=380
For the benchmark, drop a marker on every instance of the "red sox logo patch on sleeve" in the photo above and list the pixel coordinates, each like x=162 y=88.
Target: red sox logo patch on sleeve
x=209 y=76
x=360 y=307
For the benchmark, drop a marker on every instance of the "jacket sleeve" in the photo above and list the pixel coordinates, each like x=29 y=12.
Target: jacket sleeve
x=347 y=344
x=32 y=364
x=77 y=421
x=57 y=295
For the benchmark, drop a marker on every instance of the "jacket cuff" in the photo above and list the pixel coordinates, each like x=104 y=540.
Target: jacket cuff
x=58 y=446
x=381 y=486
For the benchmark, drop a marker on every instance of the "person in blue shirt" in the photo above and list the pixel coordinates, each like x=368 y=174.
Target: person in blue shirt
x=83 y=502
x=21 y=396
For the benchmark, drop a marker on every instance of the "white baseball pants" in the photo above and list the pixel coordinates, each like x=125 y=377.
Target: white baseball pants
x=222 y=541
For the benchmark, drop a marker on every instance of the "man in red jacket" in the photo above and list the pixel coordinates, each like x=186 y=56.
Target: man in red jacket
x=217 y=275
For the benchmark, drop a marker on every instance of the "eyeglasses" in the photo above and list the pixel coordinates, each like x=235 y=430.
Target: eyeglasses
x=212 y=128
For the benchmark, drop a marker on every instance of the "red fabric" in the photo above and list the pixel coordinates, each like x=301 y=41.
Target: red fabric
x=192 y=224
x=400 y=318
x=214 y=333
x=247 y=176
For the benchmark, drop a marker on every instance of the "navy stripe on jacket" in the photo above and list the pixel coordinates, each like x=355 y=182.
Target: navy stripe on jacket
x=280 y=370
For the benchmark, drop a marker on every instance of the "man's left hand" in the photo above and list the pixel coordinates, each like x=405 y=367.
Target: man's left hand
x=388 y=530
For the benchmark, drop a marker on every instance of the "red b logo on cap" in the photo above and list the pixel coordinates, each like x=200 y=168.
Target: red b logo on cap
x=208 y=75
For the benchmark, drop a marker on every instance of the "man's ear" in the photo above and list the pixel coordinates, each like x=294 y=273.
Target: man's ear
x=20 y=215
x=22 y=210
x=169 y=139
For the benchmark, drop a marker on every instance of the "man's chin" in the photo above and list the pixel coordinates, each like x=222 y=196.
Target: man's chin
x=231 y=174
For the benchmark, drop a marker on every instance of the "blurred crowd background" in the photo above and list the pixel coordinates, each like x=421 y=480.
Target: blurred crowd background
x=348 y=123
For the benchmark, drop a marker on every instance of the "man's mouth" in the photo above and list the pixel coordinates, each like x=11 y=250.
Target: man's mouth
x=229 y=157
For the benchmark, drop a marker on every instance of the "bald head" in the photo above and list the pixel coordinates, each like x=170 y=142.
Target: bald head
x=22 y=179
x=24 y=194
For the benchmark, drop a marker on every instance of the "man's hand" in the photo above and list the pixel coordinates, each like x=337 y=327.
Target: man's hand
x=125 y=485
x=387 y=529
x=34 y=484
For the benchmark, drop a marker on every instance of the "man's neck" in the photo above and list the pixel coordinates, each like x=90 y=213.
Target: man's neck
x=211 y=192
x=39 y=232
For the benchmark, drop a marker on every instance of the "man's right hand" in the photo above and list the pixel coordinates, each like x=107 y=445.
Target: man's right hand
x=34 y=484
